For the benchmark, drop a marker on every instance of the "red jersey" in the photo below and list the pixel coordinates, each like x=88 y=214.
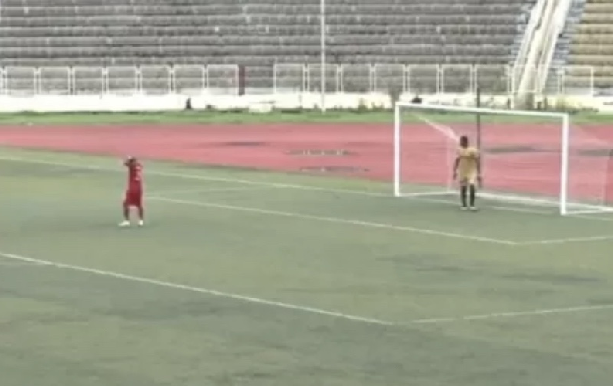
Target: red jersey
x=135 y=176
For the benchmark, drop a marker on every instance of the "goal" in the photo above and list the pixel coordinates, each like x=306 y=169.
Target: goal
x=529 y=158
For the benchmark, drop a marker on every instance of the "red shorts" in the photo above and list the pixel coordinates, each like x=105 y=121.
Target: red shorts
x=133 y=198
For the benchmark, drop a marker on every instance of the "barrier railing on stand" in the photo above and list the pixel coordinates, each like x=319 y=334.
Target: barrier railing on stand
x=573 y=80
x=419 y=79
x=290 y=78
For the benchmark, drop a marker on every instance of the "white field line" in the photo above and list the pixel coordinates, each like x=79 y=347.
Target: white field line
x=427 y=194
x=494 y=207
x=281 y=185
x=249 y=182
x=514 y=209
x=311 y=310
x=335 y=220
x=568 y=240
x=531 y=211
x=515 y=314
x=384 y=226
x=160 y=283
x=10 y=264
x=588 y=217
x=211 y=190
x=199 y=177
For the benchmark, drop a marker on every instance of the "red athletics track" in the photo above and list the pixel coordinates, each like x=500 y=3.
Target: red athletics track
x=426 y=152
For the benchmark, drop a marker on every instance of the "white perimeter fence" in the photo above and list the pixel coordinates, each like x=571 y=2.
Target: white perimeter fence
x=286 y=78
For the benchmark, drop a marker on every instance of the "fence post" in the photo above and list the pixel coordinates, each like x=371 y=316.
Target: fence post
x=242 y=74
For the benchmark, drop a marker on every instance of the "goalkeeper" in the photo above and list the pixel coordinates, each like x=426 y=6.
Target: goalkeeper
x=467 y=168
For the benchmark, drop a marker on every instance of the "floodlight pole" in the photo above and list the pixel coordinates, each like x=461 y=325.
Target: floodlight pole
x=322 y=54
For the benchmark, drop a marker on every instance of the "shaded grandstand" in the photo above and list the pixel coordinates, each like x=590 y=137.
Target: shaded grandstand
x=591 y=49
x=257 y=34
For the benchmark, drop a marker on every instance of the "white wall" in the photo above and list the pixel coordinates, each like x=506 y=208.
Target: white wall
x=256 y=103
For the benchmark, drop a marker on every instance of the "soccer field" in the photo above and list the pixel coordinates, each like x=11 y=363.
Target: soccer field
x=245 y=277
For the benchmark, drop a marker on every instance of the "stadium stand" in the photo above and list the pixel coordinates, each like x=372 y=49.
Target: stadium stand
x=592 y=46
x=259 y=33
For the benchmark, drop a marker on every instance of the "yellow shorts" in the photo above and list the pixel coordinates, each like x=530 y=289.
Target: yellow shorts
x=469 y=178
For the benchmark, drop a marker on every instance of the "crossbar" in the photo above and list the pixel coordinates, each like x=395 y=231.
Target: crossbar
x=481 y=110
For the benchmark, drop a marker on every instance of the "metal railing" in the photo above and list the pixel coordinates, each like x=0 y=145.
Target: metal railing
x=121 y=80
x=427 y=79
x=286 y=78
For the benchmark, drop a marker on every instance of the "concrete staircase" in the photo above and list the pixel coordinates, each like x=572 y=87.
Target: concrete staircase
x=521 y=28
x=562 y=49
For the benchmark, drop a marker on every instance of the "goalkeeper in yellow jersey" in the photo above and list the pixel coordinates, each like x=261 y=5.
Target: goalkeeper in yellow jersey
x=467 y=169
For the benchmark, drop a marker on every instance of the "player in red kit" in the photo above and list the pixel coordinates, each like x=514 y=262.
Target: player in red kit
x=134 y=193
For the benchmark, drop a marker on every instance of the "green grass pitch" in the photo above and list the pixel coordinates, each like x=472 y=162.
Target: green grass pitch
x=270 y=279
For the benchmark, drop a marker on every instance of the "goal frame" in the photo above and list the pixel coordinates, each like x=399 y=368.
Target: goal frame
x=562 y=199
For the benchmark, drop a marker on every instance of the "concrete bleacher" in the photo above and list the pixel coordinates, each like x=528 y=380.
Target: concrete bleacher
x=592 y=47
x=260 y=33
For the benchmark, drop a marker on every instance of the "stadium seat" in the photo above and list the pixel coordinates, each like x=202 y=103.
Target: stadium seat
x=263 y=32
x=592 y=47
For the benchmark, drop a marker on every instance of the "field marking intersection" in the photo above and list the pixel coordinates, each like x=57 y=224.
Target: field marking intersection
x=305 y=309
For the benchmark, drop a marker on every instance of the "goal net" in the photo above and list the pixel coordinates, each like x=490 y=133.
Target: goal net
x=527 y=157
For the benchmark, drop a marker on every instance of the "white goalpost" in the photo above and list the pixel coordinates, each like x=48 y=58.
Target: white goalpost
x=528 y=157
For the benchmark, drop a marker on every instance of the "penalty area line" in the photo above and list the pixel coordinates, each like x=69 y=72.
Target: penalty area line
x=272 y=185
x=507 y=208
x=336 y=220
x=211 y=190
x=486 y=207
x=515 y=314
x=269 y=184
x=200 y=177
x=201 y=290
x=17 y=264
x=567 y=240
x=312 y=310
x=592 y=218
